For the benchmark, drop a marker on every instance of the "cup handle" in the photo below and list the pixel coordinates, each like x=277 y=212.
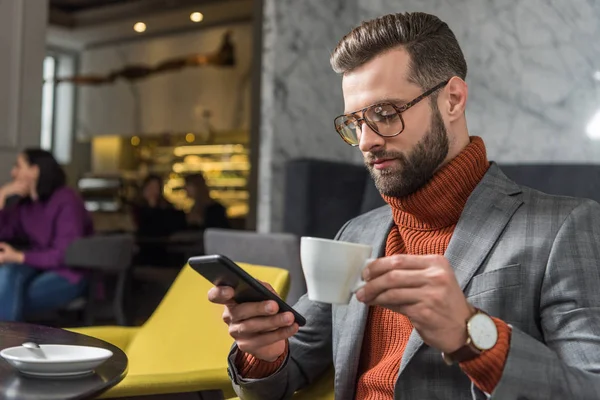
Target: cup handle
x=359 y=281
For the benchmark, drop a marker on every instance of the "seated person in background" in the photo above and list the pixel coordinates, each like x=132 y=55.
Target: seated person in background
x=49 y=216
x=154 y=215
x=206 y=212
x=155 y=218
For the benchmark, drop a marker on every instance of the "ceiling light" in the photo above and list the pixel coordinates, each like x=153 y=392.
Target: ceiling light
x=196 y=16
x=139 y=27
x=593 y=127
x=597 y=75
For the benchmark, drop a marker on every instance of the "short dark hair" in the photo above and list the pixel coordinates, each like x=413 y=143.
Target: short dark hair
x=195 y=180
x=52 y=176
x=435 y=55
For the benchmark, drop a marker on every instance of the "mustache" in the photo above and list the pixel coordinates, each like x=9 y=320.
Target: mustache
x=371 y=157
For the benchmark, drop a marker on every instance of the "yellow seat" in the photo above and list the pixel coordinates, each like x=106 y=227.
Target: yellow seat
x=183 y=346
x=319 y=390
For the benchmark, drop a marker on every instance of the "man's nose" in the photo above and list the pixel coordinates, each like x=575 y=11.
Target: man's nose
x=368 y=140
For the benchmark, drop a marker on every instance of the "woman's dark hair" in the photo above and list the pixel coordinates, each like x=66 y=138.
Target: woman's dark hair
x=52 y=176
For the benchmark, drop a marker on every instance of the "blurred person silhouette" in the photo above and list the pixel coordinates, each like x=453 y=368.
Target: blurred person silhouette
x=46 y=216
x=156 y=219
x=154 y=215
x=206 y=212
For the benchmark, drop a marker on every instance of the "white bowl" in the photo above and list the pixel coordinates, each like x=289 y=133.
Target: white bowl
x=53 y=360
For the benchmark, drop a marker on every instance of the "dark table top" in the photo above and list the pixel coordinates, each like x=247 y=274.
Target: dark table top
x=14 y=385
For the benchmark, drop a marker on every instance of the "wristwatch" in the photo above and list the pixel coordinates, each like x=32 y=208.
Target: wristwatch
x=482 y=335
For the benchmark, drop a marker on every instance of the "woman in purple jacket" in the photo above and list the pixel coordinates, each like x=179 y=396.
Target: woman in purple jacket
x=47 y=217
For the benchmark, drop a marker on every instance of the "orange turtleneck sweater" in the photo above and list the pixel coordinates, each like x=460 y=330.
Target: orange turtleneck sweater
x=424 y=223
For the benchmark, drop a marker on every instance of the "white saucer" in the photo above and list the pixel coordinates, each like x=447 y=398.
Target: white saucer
x=56 y=360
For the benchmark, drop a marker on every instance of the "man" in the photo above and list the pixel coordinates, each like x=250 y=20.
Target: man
x=481 y=287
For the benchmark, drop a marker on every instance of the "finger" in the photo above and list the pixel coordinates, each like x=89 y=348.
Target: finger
x=221 y=295
x=226 y=316
x=400 y=261
x=268 y=286
x=250 y=345
x=398 y=297
x=394 y=279
x=260 y=325
x=246 y=311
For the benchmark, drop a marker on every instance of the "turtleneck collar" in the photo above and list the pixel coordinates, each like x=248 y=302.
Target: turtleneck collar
x=440 y=202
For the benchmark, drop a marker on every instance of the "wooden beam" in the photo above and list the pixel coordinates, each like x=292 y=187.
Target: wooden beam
x=60 y=18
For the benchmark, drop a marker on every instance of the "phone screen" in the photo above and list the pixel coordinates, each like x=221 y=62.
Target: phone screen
x=221 y=271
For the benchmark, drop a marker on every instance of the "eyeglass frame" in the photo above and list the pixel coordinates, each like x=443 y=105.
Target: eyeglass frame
x=399 y=111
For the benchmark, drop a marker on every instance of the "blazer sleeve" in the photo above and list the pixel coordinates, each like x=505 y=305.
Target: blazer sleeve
x=567 y=366
x=309 y=356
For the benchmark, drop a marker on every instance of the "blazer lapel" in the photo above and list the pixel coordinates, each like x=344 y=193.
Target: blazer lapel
x=488 y=210
x=355 y=316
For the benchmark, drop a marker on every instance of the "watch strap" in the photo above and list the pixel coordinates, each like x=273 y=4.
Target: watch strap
x=465 y=353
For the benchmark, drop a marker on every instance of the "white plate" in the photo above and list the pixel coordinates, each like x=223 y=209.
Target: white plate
x=56 y=360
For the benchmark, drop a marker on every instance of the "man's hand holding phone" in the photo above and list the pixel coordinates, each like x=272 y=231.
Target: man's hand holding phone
x=256 y=327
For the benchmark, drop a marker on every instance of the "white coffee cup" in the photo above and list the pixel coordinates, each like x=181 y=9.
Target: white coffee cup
x=333 y=269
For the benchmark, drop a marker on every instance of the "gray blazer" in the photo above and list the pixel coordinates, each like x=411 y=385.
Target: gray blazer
x=526 y=257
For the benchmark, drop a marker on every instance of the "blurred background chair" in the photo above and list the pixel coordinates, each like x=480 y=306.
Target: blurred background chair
x=320 y=196
x=103 y=256
x=575 y=180
x=276 y=249
x=183 y=347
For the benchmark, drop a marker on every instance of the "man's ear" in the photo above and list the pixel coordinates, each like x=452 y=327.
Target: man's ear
x=455 y=98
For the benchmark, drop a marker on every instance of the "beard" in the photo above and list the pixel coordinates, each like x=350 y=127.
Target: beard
x=413 y=170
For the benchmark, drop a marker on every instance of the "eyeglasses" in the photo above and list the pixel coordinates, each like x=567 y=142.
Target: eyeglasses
x=385 y=119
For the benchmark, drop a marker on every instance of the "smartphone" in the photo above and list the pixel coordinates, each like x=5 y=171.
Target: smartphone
x=221 y=271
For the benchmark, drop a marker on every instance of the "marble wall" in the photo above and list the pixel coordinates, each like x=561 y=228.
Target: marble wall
x=300 y=93
x=534 y=80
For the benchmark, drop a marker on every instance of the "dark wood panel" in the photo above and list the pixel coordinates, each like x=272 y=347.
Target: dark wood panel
x=82 y=5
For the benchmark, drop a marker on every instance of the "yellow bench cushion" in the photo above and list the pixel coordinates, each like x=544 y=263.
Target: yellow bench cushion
x=183 y=346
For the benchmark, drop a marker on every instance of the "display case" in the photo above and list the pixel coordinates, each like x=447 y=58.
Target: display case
x=224 y=163
x=226 y=169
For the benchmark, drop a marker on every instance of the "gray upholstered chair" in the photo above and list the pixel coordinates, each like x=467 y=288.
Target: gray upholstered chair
x=271 y=249
x=102 y=256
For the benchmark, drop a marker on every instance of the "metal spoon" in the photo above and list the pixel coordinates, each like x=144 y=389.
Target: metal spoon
x=35 y=348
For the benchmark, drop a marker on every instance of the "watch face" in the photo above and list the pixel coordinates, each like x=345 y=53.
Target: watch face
x=483 y=331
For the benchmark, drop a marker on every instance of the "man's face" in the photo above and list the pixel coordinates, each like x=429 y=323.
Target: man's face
x=402 y=164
